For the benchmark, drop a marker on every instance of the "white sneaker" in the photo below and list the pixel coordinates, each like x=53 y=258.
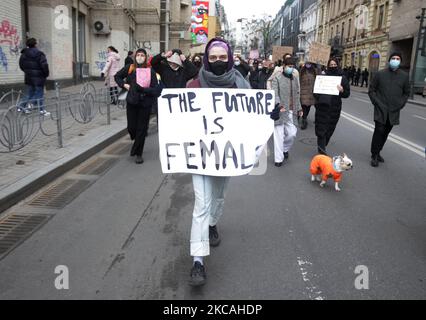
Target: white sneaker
x=24 y=110
x=44 y=113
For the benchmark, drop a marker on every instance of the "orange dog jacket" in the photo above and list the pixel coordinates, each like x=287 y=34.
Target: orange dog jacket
x=323 y=165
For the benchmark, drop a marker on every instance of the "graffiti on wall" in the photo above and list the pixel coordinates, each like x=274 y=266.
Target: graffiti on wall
x=3 y=60
x=200 y=21
x=147 y=45
x=10 y=46
x=102 y=55
x=9 y=34
x=101 y=62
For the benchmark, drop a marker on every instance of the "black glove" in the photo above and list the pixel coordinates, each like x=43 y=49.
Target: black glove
x=275 y=114
x=102 y=75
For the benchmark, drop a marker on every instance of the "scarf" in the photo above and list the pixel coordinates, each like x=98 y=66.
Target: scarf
x=229 y=79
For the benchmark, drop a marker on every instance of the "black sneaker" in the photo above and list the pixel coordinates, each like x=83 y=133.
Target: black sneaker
x=139 y=160
x=286 y=155
x=374 y=161
x=278 y=164
x=214 y=238
x=198 y=275
x=380 y=159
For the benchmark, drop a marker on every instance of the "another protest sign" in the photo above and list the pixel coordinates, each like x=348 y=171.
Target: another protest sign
x=327 y=85
x=279 y=51
x=217 y=132
x=319 y=53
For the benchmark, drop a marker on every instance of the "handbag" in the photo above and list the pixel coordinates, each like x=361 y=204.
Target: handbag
x=123 y=95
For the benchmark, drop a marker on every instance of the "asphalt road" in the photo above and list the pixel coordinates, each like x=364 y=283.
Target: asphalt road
x=283 y=237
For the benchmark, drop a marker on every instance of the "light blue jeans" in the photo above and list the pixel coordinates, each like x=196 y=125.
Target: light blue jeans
x=209 y=199
x=35 y=96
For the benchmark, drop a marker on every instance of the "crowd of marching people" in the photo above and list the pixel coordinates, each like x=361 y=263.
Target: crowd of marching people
x=142 y=79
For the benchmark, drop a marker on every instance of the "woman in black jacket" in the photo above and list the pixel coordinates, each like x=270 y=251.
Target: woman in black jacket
x=139 y=101
x=328 y=107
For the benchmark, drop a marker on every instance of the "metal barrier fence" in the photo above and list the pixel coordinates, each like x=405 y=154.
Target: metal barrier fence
x=20 y=124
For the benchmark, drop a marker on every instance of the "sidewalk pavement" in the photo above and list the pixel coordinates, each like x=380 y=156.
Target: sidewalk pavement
x=24 y=171
x=417 y=99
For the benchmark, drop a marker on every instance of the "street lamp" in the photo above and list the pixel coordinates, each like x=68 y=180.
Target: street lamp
x=413 y=74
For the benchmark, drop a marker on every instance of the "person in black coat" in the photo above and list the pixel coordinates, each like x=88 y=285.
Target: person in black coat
x=265 y=73
x=328 y=107
x=357 y=77
x=254 y=75
x=34 y=64
x=129 y=59
x=139 y=101
x=241 y=66
x=364 y=78
x=389 y=92
x=173 y=67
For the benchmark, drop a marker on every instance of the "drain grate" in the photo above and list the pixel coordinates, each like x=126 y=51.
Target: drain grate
x=58 y=196
x=118 y=149
x=98 y=166
x=15 y=228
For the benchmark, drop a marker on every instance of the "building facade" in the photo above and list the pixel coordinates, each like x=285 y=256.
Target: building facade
x=403 y=36
x=357 y=30
x=291 y=24
x=308 y=26
x=75 y=34
x=276 y=34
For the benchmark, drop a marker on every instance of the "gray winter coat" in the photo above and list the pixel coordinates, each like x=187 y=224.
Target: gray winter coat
x=389 y=91
x=281 y=86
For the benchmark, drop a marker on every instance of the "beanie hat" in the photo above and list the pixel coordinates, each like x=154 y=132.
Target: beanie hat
x=218 y=42
x=395 y=54
x=175 y=58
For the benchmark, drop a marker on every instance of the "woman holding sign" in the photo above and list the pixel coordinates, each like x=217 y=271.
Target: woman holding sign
x=329 y=106
x=142 y=87
x=217 y=72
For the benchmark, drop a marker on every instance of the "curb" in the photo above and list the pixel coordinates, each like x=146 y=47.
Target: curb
x=18 y=191
x=422 y=104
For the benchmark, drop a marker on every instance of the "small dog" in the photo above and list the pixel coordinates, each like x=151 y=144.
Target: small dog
x=327 y=167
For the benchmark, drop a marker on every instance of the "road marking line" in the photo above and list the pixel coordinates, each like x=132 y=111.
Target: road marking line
x=313 y=292
x=362 y=100
x=420 y=117
x=392 y=137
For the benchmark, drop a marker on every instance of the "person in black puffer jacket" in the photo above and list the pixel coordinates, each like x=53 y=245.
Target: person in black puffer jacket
x=173 y=67
x=328 y=107
x=139 y=101
x=34 y=64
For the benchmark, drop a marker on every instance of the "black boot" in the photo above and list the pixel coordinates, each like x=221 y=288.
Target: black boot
x=374 y=161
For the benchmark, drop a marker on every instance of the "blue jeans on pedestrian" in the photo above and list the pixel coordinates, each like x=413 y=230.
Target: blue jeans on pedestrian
x=209 y=200
x=35 y=96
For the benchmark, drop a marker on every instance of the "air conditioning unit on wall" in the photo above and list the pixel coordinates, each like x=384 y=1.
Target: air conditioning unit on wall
x=101 y=26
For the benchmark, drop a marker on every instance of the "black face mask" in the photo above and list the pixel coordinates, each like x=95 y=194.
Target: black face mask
x=333 y=70
x=219 y=67
x=197 y=64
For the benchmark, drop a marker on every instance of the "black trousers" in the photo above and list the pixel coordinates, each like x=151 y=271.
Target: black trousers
x=306 y=110
x=113 y=92
x=366 y=82
x=326 y=118
x=137 y=126
x=380 y=135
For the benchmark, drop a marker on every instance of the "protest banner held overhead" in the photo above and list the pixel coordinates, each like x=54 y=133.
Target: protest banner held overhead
x=217 y=132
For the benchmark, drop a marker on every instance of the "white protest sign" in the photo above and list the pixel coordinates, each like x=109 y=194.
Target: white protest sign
x=217 y=132
x=327 y=85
